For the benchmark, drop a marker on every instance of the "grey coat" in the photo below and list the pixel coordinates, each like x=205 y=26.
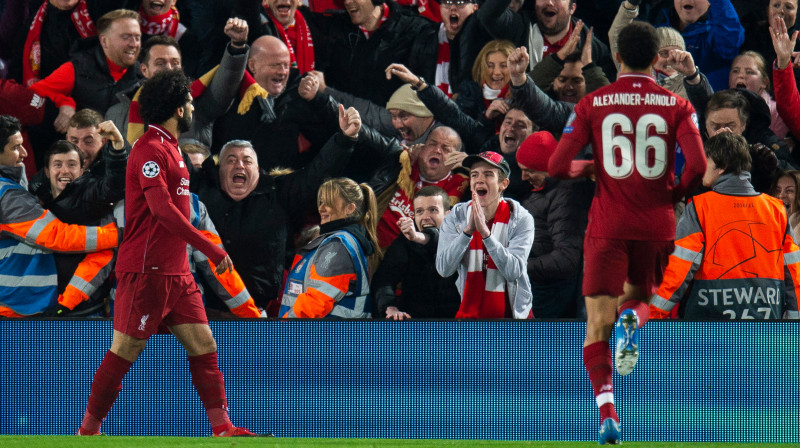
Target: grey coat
x=511 y=260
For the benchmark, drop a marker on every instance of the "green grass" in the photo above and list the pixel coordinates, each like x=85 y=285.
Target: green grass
x=203 y=442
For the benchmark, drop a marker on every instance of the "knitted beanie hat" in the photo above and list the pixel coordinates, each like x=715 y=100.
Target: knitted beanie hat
x=407 y=100
x=668 y=36
x=535 y=151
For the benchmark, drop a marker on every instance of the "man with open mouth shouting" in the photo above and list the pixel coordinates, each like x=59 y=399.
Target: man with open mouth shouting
x=487 y=240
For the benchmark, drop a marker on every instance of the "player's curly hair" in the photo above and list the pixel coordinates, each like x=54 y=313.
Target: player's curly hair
x=638 y=45
x=162 y=94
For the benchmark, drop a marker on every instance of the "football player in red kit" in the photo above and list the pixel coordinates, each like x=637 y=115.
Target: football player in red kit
x=635 y=128
x=154 y=284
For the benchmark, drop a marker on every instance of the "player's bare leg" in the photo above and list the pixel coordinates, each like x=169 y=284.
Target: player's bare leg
x=107 y=380
x=201 y=349
x=601 y=313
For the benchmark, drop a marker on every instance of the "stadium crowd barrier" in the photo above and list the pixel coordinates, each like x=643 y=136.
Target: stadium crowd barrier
x=503 y=380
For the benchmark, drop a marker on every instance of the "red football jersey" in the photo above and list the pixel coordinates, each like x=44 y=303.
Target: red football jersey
x=634 y=127
x=147 y=246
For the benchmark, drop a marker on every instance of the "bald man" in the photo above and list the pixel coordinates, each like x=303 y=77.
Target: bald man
x=269 y=63
x=285 y=130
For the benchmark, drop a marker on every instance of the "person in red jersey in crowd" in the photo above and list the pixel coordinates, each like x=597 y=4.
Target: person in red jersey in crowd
x=154 y=285
x=634 y=127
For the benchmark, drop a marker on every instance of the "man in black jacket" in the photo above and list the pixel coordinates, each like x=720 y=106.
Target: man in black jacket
x=257 y=212
x=355 y=46
x=546 y=31
x=103 y=67
x=285 y=130
x=411 y=262
x=560 y=214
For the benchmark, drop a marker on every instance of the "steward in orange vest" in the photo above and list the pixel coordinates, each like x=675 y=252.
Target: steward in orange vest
x=734 y=255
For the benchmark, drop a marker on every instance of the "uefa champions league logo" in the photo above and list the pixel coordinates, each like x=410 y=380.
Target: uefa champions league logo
x=150 y=169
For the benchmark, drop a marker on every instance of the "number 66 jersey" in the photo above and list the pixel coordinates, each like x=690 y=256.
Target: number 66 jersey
x=635 y=128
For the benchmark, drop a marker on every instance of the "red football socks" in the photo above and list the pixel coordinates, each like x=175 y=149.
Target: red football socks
x=597 y=360
x=105 y=387
x=210 y=385
x=642 y=310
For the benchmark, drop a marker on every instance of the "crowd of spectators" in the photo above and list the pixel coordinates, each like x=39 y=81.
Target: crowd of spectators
x=458 y=103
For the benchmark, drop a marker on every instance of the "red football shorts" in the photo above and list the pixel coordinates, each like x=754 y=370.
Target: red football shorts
x=609 y=263
x=145 y=301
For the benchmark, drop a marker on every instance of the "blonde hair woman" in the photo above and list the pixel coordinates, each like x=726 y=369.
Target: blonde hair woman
x=329 y=275
x=490 y=73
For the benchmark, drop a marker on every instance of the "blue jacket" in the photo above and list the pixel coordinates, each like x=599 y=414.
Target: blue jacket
x=713 y=41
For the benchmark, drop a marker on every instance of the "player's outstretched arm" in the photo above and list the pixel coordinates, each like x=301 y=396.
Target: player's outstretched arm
x=161 y=206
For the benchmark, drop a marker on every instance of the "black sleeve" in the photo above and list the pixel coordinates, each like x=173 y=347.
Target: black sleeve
x=446 y=111
x=298 y=190
x=503 y=23
x=111 y=187
x=389 y=274
x=566 y=222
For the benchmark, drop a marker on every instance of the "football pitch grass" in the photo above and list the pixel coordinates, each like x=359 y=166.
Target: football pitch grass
x=203 y=442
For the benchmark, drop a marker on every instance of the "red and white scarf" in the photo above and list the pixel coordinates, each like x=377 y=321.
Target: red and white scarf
x=299 y=38
x=162 y=24
x=484 y=295
x=442 y=79
x=32 y=62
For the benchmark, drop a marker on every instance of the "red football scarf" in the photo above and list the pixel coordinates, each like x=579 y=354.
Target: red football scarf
x=442 y=79
x=484 y=295
x=166 y=23
x=301 y=48
x=32 y=62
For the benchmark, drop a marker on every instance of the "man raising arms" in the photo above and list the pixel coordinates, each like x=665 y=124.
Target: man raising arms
x=634 y=127
x=155 y=286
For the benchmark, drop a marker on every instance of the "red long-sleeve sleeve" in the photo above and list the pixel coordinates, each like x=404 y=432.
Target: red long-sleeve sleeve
x=58 y=86
x=787 y=98
x=161 y=206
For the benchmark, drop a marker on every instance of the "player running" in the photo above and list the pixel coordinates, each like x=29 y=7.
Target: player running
x=634 y=127
x=154 y=285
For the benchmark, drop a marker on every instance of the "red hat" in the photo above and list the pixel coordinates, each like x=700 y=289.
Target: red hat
x=492 y=158
x=536 y=150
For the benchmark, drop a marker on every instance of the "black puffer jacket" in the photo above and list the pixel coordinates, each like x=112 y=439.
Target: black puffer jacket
x=425 y=293
x=546 y=113
x=287 y=134
x=257 y=231
x=357 y=65
x=560 y=215
x=516 y=27
x=91 y=196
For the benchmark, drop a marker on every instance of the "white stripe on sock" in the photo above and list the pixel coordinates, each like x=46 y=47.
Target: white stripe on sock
x=604 y=398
